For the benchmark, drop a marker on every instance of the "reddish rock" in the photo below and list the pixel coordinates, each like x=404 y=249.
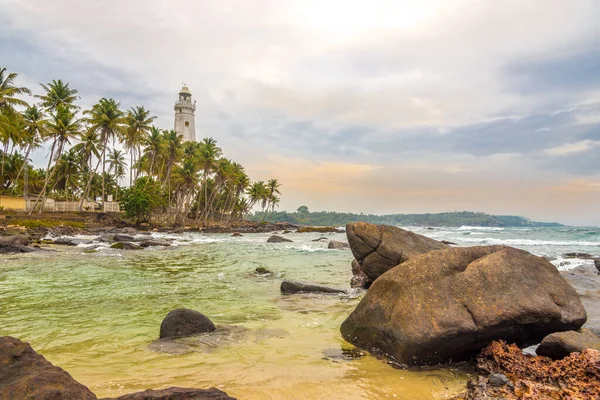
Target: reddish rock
x=176 y=393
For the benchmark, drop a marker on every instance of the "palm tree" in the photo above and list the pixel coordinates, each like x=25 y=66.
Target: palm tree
x=8 y=114
x=106 y=118
x=209 y=153
x=33 y=136
x=58 y=94
x=171 y=153
x=88 y=147
x=62 y=126
x=117 y=166
x=154 y=142
x=67 y=171
x=138 y=121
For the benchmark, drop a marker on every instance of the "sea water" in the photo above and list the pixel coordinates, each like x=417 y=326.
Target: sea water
x=96 y=312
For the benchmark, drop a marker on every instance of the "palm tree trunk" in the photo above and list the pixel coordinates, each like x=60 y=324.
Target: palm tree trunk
x=47 y=176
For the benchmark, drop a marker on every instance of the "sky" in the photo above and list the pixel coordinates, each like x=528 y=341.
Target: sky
x=358 y=106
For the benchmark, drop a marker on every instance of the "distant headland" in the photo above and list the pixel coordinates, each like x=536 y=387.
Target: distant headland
x=331 y=218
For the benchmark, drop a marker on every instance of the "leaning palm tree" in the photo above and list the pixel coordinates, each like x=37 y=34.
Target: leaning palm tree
x=138 y=122
x=8 y=113
x=33 y=135
x=171 y=154
x=107 y=119
x=62 y=127
x=209 y=153
x=57 y=93
x=154 y=144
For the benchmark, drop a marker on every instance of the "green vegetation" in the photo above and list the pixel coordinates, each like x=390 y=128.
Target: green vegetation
x=329 y=218
x=88 y=152
x=33 y=223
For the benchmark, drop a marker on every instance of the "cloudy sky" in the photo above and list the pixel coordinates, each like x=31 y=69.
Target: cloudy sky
x=365 y=106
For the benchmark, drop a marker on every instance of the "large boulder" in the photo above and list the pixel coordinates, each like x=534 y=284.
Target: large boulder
x=378 y=248
x=15 y=244
x=447 y=305
x=298 y=287
x=24 y=374
x=177 y=393
x=183 y=322
x=561 y=344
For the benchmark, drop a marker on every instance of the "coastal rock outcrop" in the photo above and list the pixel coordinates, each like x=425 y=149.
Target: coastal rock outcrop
x=177 y=393
x=447 y=305
x=561 y=344
x=24 y=374
x=183 y=322
x=378 y=248
x=15 y=244
x=297 y=287
x=278 y=239
x=359 y=278
x=320 y=229
x=334 y=244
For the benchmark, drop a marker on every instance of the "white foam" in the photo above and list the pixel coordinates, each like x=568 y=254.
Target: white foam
x=528 y=242
x=479 y=228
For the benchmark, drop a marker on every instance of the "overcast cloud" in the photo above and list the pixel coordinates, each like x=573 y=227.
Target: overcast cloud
x=366 y=106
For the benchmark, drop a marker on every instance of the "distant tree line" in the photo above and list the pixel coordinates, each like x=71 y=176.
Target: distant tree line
x=91 y=151
x=303 y=216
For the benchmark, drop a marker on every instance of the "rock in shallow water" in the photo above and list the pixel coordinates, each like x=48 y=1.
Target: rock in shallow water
x=278 y=239
x=24 y=374
x=334 y=244
x=447 y=305
x=560 y=344
x=379 y=248
x=177 y=393
x=183 y=322
x=297 y=287
x=125 y=246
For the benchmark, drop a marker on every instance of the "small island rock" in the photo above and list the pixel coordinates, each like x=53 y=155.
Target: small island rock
x=183 y=322
x=560 y=344
x=277 y=239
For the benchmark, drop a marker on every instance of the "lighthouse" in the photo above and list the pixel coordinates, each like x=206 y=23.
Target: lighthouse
x=185 y=115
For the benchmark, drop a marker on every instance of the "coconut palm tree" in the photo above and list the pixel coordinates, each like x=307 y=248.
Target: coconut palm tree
x=62 y=127
x=88 y=147
x=138 y=123
x=67 y=172
x=58 y=93
x=209 y=153
x=153 y=142
x=171 y=154
x=108 y=120
x=117 y=166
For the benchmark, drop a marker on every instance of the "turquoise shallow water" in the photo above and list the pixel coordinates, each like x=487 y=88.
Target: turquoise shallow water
x=97 y=315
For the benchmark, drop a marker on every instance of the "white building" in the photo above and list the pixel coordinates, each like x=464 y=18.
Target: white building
x=184 y=115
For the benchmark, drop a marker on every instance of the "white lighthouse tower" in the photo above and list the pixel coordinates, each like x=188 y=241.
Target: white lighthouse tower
x=184 y=115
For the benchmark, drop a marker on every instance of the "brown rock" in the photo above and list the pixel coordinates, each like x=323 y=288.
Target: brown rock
x=379 y=248
x=297 y=287
x=176 y=393
x=447 y=305
x=24 y=374
x=334 y=244
x=359 y=278
x=278 y=239
x=183 y=322
x=560 y=344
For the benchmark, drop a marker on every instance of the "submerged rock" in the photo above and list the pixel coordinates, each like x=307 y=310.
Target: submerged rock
x=447 y=305
x=584 y=256
x=125 y=246
x=177 y=393
x=277 y=239
x=123 y=238
x=447 y=242
x=154 y=243
x=334 y=244
x=515 y=375
x=378 y=248
x=321 y=239
x=183 y=322
x=561 y=344
x=24 y=374
x=63 y=241
x=236 y=234
x=297 y=287
x=262 y=271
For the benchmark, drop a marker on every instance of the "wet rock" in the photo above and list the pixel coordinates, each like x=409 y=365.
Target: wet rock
x=236 y=234
x=105 y=239
x=177 y=393
x=586 y=281
x=343 y=354
x=154 y=243
x=125 y=246
x=584 y=256
x=15 y=244
x=286 y=232
x=359 y=278
x=447 y=305
x=597 y=263
x=560 y=344
x=183 y=322
x=63 y=241
x=24 y=374
x=447 y=242
x=334 y=244
x=498 y=380
x=379 y=248
x=262 y=271
x=277 y=239
x=123 y=238
x=321 y=239
x=297 y=287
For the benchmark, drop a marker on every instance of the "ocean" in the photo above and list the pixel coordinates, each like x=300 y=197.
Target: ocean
x=96 y=312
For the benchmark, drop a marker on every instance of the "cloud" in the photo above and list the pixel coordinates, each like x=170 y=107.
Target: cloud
x=448 y=93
